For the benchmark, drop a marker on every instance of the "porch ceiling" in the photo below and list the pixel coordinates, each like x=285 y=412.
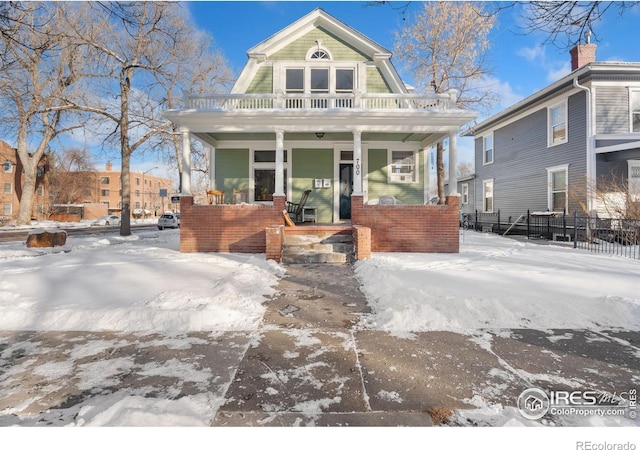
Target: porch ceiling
x=328 y=137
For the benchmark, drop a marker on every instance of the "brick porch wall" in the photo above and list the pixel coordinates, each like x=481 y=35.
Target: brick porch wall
x=227 y=228
x=410 y=228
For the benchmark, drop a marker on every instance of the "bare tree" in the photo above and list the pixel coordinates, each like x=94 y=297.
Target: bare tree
x=196 y=66
x=38 y=71
x=136 y=47
x=566 y=22
x=71 y=177
x=465 y=168
x=444 y=47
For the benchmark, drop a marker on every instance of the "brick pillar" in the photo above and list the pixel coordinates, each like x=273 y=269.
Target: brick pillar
x=362 y=242
x=275 y=238
x=357 y=209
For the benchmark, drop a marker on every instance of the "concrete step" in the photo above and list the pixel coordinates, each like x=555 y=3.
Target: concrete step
x=317 y=247
x=340 y=247
x=298 y=239
x=315 y=258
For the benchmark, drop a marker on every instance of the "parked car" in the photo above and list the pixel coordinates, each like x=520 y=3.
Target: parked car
x=110 y=219
x=169 y=220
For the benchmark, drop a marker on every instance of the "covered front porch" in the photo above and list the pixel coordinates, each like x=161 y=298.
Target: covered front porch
x=349 y=150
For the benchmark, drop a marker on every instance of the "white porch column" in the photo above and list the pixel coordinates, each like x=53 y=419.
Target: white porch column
x=185 y=185
x=279 y=163
x=212 y=167
x=357 y=162
x=453 y=163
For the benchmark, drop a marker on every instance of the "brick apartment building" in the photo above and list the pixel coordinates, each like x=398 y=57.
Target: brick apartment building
x=145 y=192
x=103 y=196
x=11 y=172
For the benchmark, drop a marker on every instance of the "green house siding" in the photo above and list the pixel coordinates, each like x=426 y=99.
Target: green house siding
x=376 y=84
x=339 y=49
x=232 y=170
x=309 y=164
x=408 y=193
x=262 y=83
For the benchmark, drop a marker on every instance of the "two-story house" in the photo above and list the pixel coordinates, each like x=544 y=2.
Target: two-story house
x=318 y=107
x=572 y=146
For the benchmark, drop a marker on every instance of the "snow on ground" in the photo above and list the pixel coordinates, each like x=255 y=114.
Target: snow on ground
x=142 y=283
x=496 y=283
x=137 y=283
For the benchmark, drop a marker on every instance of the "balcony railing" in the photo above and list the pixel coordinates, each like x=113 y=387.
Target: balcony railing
x=234 y=102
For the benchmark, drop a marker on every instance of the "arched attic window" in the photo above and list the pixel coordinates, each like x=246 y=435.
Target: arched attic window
x=318 y=52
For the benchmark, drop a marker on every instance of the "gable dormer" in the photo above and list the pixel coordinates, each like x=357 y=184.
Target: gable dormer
x=318 y=54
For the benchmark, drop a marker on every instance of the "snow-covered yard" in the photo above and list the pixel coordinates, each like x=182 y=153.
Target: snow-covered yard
x=496 y=282
x=143 y=284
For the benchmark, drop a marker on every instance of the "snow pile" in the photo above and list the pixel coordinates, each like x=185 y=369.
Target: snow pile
x=496 y=283
x=138 y=283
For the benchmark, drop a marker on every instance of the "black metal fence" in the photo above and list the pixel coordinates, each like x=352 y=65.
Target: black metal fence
x=611 y=236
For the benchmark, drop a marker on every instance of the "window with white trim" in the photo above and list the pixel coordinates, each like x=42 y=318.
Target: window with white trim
x=635 y=111
x=40 y=190
x=465 y=193
x=264 y=174
x=403 y=166
x=7 y=167
x=634 y=179
x=487 y=149
x=487 y=195
x=8 y=188
x=557 y=120
x=558 y=188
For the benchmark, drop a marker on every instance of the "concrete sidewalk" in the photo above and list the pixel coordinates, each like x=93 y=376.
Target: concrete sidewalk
x=312 y=362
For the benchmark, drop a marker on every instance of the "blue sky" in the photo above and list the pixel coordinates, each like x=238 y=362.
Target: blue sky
x=523 y=63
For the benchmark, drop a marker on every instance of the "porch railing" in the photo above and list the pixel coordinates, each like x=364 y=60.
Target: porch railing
x=234 y=102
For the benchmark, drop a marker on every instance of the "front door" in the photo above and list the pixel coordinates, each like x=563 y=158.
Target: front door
x=346 y=188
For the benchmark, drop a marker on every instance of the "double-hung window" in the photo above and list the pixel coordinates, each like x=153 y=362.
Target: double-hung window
x=403 y=166
x=465 y=193
x=487 y=149
x=557 y=188
x=8 y=167
x=557 y=119
x=635 y=111
x=8 y=188
x=309 y=84
x=487 y=195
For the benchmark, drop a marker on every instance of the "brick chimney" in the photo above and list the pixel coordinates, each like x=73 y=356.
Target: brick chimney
x=108 y=167
x=583 y=54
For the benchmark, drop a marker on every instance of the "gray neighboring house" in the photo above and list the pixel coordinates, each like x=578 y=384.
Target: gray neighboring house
x=547 y=152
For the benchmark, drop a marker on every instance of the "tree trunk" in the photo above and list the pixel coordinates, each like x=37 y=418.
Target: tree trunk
x=125 y=216
x=125 y=152
x=440 y=171
x=28 y=189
